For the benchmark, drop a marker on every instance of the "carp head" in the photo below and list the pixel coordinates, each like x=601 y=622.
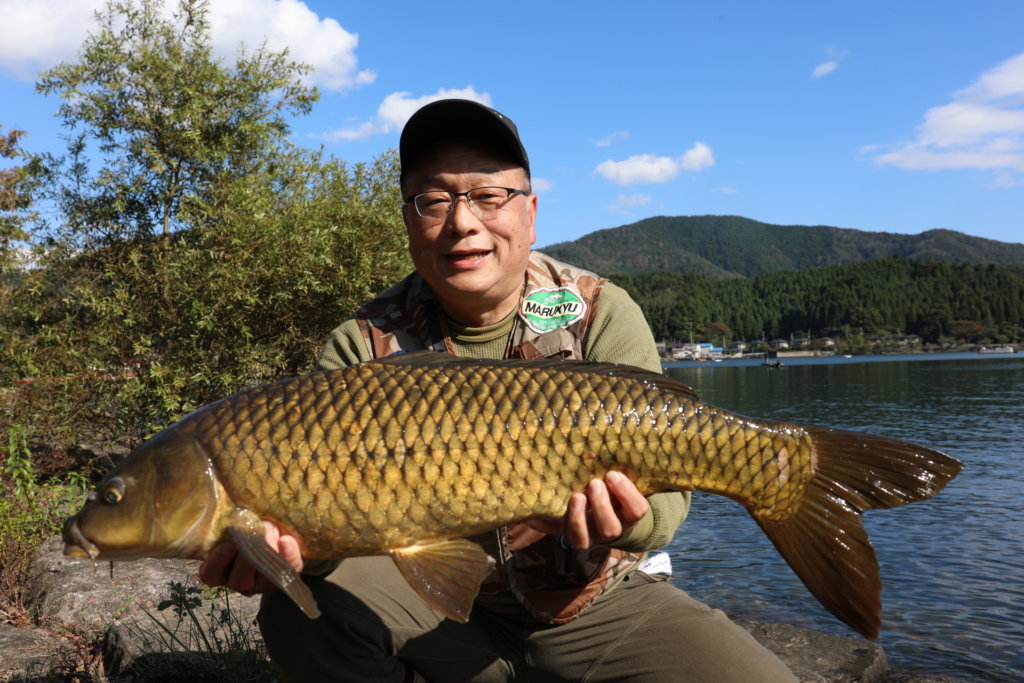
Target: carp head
x=161 y=501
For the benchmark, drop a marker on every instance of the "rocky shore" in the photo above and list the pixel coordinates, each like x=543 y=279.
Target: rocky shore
x=72 y=600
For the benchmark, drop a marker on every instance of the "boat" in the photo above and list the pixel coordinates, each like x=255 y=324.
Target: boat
x=1000 y=348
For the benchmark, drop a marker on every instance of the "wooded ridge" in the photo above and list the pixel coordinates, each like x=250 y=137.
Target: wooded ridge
x=733 y=246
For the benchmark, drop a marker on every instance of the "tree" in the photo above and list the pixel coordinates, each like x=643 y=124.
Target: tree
x=719 y=332
x=207 y=253
x=167 y=116
x=17 y=189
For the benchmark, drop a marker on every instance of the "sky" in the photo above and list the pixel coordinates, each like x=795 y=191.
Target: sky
x=870 y=114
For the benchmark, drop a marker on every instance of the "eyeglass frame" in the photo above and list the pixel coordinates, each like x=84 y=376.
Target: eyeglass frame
x=512 y=192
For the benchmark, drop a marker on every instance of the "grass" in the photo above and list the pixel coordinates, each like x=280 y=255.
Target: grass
x=220 y=645
x=32 y=508
x=194 y=635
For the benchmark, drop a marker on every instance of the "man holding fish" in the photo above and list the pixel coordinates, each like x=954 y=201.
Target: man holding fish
x=574 y=598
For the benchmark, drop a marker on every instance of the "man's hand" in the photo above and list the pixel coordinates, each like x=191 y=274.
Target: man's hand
x=607 y=511
x=225 y=567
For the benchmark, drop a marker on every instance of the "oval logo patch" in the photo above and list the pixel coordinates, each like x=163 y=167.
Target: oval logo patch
x=544 y=310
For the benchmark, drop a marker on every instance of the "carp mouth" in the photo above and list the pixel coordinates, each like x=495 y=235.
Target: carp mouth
x=75 y=542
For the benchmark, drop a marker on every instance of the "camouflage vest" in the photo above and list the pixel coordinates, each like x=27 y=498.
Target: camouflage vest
x=553 y=581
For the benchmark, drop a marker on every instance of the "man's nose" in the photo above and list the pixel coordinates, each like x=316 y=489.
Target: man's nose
x=461 y=220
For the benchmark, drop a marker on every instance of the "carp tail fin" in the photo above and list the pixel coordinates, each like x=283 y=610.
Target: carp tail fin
x=824 y=541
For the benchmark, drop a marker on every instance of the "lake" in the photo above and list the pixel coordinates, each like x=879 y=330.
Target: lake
x=952 y=566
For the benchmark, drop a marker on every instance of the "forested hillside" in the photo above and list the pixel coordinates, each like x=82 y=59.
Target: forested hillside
x=731 y=246
x=973 y=303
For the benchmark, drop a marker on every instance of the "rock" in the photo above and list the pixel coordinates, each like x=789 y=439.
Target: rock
x=816 y=657
x=68 y=590
x=223 y=643
x=121 y=601
x=26 y=652
x=146 y=644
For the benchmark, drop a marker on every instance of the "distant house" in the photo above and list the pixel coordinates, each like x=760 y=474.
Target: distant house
x=779 y=343
x=738 y=346
x=827 y=341
x=801 y=342
x=686 y=351
x=905 y=339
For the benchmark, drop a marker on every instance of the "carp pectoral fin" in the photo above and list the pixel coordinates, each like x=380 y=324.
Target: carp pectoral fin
x=447 y=575
x=253 y=547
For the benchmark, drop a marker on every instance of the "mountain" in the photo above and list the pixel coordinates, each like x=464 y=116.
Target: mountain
x=733 y=246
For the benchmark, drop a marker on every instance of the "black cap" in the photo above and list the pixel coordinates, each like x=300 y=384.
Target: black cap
x=446 y=119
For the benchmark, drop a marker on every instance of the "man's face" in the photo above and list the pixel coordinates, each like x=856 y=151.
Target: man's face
x=475 y=267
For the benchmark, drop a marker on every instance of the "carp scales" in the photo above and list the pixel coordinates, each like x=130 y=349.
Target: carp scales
x=410 y=455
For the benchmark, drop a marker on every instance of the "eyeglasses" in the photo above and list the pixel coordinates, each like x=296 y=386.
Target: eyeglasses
x=484 y=202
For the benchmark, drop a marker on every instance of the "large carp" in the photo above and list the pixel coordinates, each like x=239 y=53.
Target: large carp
x=407 y=456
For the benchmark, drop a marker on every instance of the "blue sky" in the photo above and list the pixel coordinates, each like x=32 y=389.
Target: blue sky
x=882 y=116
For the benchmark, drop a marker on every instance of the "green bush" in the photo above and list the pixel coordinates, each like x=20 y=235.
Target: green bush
x=119 y=341
x=31 y=510
x=198 y=253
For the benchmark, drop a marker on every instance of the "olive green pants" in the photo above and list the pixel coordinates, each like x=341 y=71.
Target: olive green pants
x=375 y=628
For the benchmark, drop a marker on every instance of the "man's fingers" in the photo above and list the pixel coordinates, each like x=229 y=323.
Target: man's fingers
x=271 y=533
x=604 y=517
x=577 y=527
x=631 y=503
x=546 y=525
x=243 y=577
x=225 y=567
x=288 y=547
x=608 y=510
x=215 y=570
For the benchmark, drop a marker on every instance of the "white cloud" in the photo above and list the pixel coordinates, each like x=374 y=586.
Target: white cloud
x=541 y=185
x=647 y=168
x=607 y=140
x=320 y=42
x=396 y=109
x=824 y=69
x=982 y=128
x=38 y=34
x=726 y=190
x=1004 y=180
x=641 y=168
x=833 y=56
x=697 y=158
x=625 y=203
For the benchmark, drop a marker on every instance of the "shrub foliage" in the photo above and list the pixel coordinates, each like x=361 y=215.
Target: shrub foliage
x=195 y=249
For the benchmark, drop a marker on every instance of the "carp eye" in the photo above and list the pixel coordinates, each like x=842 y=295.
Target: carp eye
x=114 y=492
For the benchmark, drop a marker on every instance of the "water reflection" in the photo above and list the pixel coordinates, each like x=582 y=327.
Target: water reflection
x=952 y=566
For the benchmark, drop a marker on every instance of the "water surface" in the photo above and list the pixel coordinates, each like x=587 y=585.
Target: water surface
x=952 y=566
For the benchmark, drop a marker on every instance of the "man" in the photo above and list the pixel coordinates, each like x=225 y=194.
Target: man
x=567 y=599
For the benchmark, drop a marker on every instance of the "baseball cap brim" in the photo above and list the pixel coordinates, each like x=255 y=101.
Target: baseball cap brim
x=453 y=119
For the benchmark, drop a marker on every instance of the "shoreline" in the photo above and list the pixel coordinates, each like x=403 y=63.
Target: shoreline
x=810 y=358
x=70 y=596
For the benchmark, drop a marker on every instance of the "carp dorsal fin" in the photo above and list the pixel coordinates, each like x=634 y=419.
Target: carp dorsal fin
x=251 y=544
x=630 y=372
x=447 y=575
